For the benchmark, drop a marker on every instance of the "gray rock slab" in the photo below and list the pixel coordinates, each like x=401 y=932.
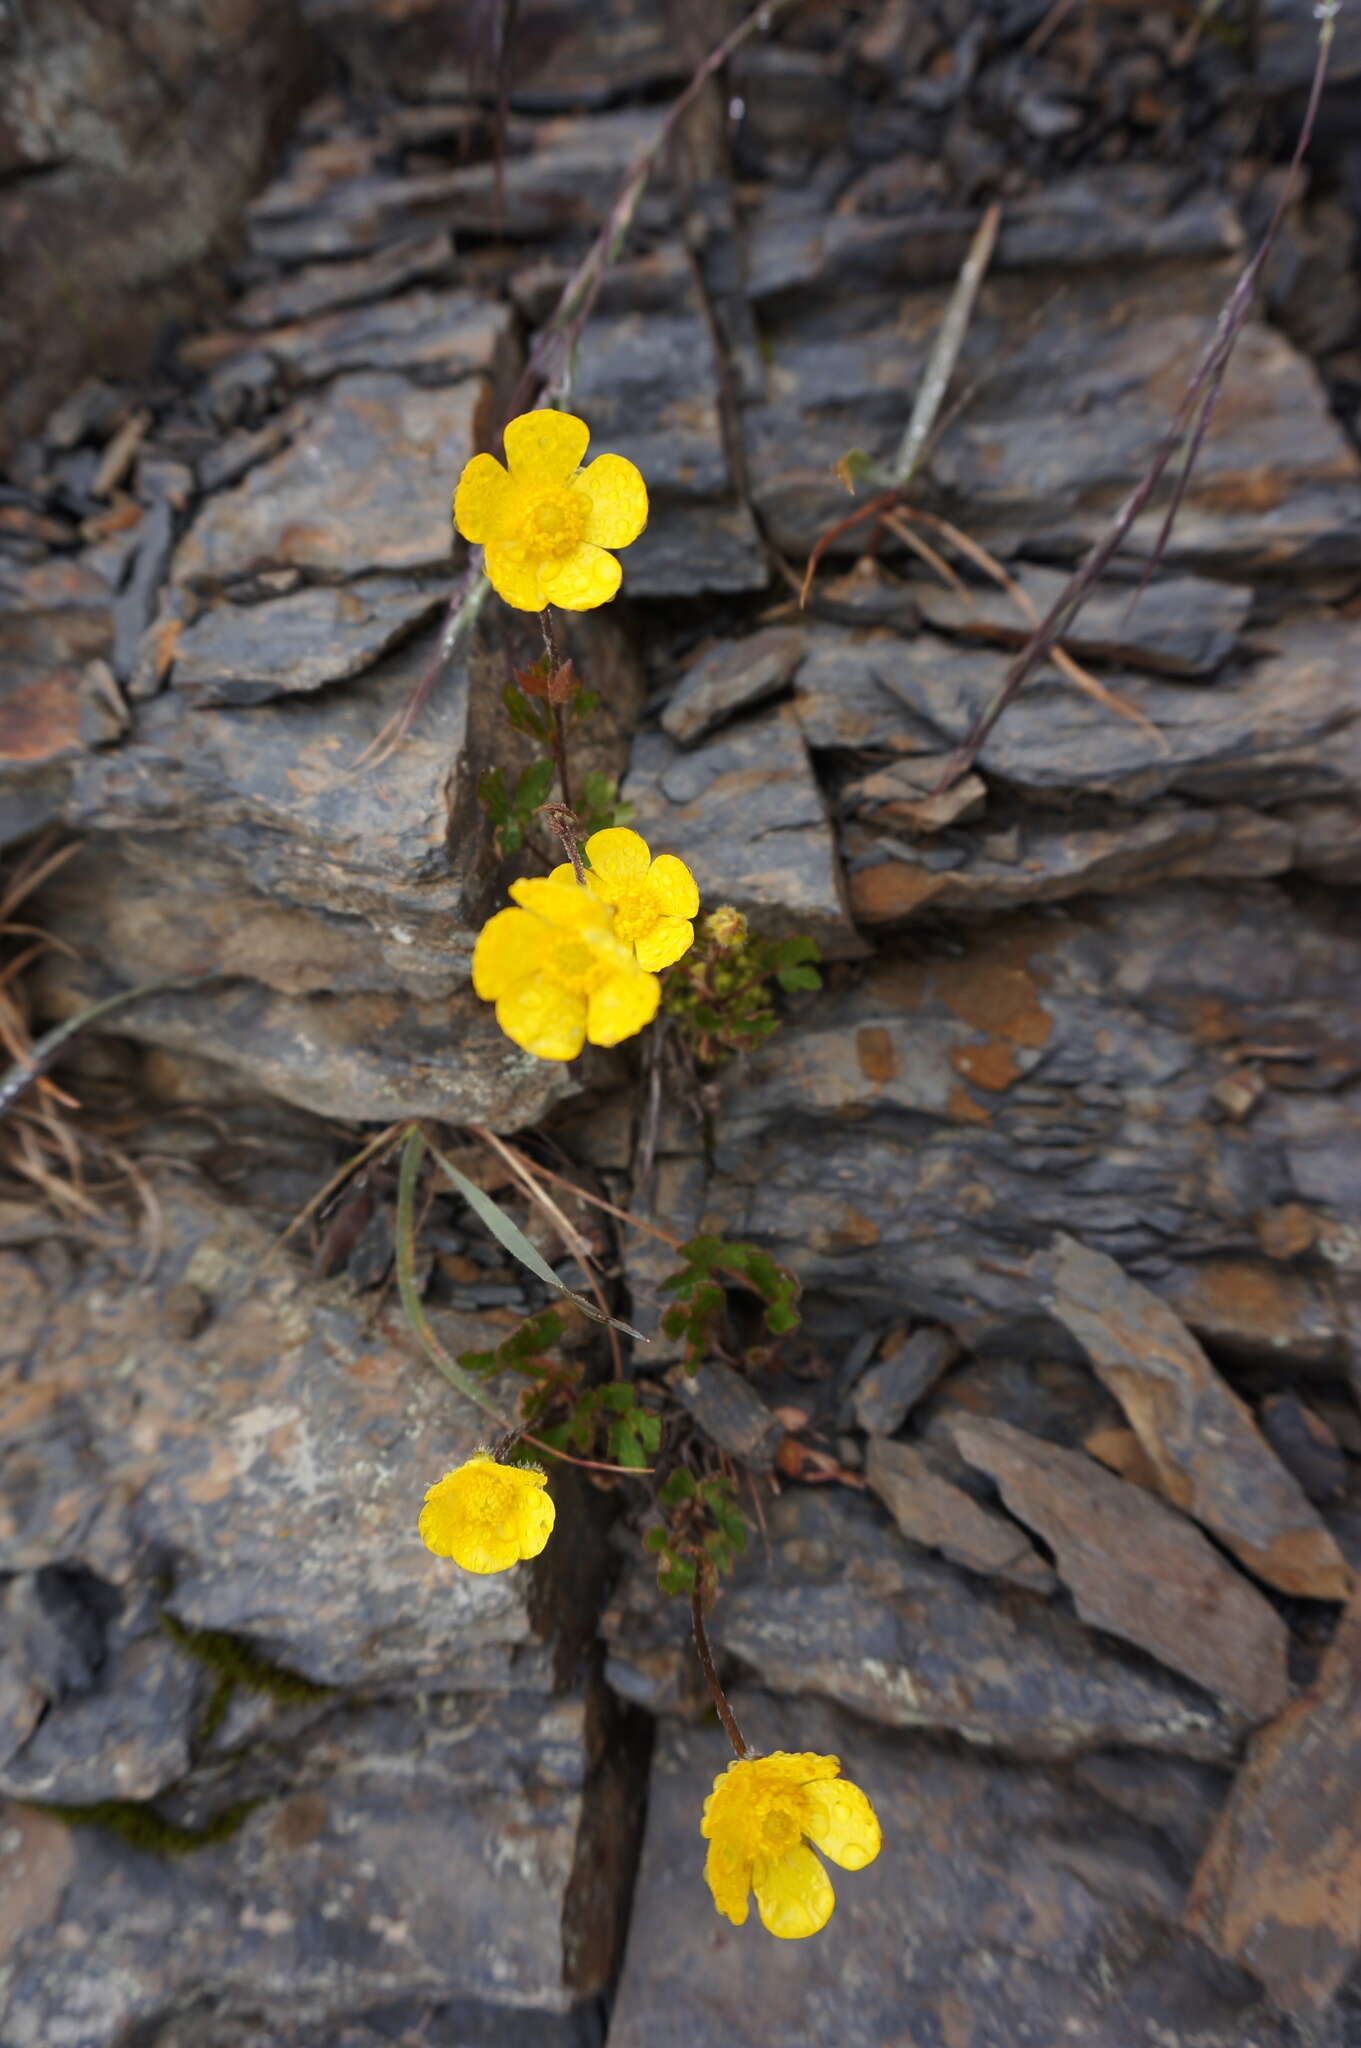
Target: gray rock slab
x=730 y=677
x=1180 y=626
x=906 y=1145
x=1002 y=1908
x=1137 y=1569
x=417 y=1849
x=844 y=1609
x=731 y=1413
x=278 y=1460
x=649 y=382
x=1044 y=451
x=245 y=654
x=325 y=287
x=745 y=812
x=931 y=1510
x=436 y=337
x=1206 y=1450
x=364 y=484
x=891 y=1386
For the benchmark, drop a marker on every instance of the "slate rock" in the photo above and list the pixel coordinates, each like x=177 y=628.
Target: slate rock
x=730 y=677
x=731 y=1413
x=1006 y=1905
x=931 y=1510
x=278 y=1460
x=885 y=1395
x=1209 y=1456
x=364 y=484
x=127 y=1737
x=1180 y=626
x=414 y=1848
x=1275 y=1891
x=324 y=287
x=1042 y=453
x=1136 y=1569
x=844 y=1609
x=649 y=381
x=435 y=337
x=1306 y=1447
x=245 y=654
x=903 y=1145
x=745 y=812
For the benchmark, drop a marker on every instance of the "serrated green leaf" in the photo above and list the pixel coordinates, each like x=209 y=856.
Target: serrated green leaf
x=533 y=787
x=791 y=979
x=679 y=1487
x=491 y=794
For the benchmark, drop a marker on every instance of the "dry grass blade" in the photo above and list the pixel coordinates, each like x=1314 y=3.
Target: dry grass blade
x=1081 y=678
x=382 y=1143
x=572 y=1238
x=1205 y=379
x=944 y=357
x=896 y=522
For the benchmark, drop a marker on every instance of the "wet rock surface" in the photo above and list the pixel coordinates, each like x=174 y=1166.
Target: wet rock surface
x=1063 y=1154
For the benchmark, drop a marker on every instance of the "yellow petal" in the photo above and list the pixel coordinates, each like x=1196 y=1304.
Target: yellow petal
x=673 y=886
x=536 y=1518
x=509 y=947
x=482 y=499
x=621 y=1006
x=580 y=581
x=842 y=1823
x=728 y=1876
x=545 y=447
x=618 y=498
x=514 y=576
x=794 y=1895
x=618 y=852
x=487 y=1516
x=547 y=1021
x=566 y=874
x=564 y=904
x=668 y=939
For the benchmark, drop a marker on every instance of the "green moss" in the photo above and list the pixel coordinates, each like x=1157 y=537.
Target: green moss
x=235 y=1664
x=141 y=1827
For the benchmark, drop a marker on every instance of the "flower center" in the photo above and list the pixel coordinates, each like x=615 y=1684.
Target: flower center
x=780 y=1831
x=554 y=521
x=635 y=913
x=575 y=966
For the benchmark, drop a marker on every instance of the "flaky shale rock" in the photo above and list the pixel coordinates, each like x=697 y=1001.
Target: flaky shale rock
x=1208 y=1453
x=1279 y=1888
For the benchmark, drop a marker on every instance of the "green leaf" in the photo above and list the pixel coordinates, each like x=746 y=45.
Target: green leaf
x=511 y=838
x=508 y=1233
x=491 y=794
x=654 y=1539
x=679 y=1487
x=678 y=1577
x=794 y=978
x=533 y=787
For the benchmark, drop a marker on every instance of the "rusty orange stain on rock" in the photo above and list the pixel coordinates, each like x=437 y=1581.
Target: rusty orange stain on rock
x=962 y=1107
x=997 y=988
x=876 y=1052
x=991 y=1066
x=890 y=890
x=854 y=1229
x=299 y=1820
x=40 y=719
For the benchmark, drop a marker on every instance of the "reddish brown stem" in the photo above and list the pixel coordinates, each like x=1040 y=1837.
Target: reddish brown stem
x=716 y=1692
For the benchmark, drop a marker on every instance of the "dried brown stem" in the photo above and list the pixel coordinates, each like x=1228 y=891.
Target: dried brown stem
x=1196 y=405
x=716 y=1692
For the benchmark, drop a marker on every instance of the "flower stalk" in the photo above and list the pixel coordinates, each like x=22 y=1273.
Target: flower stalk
x=711 y=1679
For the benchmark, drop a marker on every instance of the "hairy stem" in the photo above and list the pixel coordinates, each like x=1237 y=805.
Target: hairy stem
x=716 y=1692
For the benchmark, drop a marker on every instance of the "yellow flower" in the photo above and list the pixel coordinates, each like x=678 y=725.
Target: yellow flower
x=653 y=900
x=558 y=973
x=755 y=1821
x=487 y=1516
x=546 y=524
